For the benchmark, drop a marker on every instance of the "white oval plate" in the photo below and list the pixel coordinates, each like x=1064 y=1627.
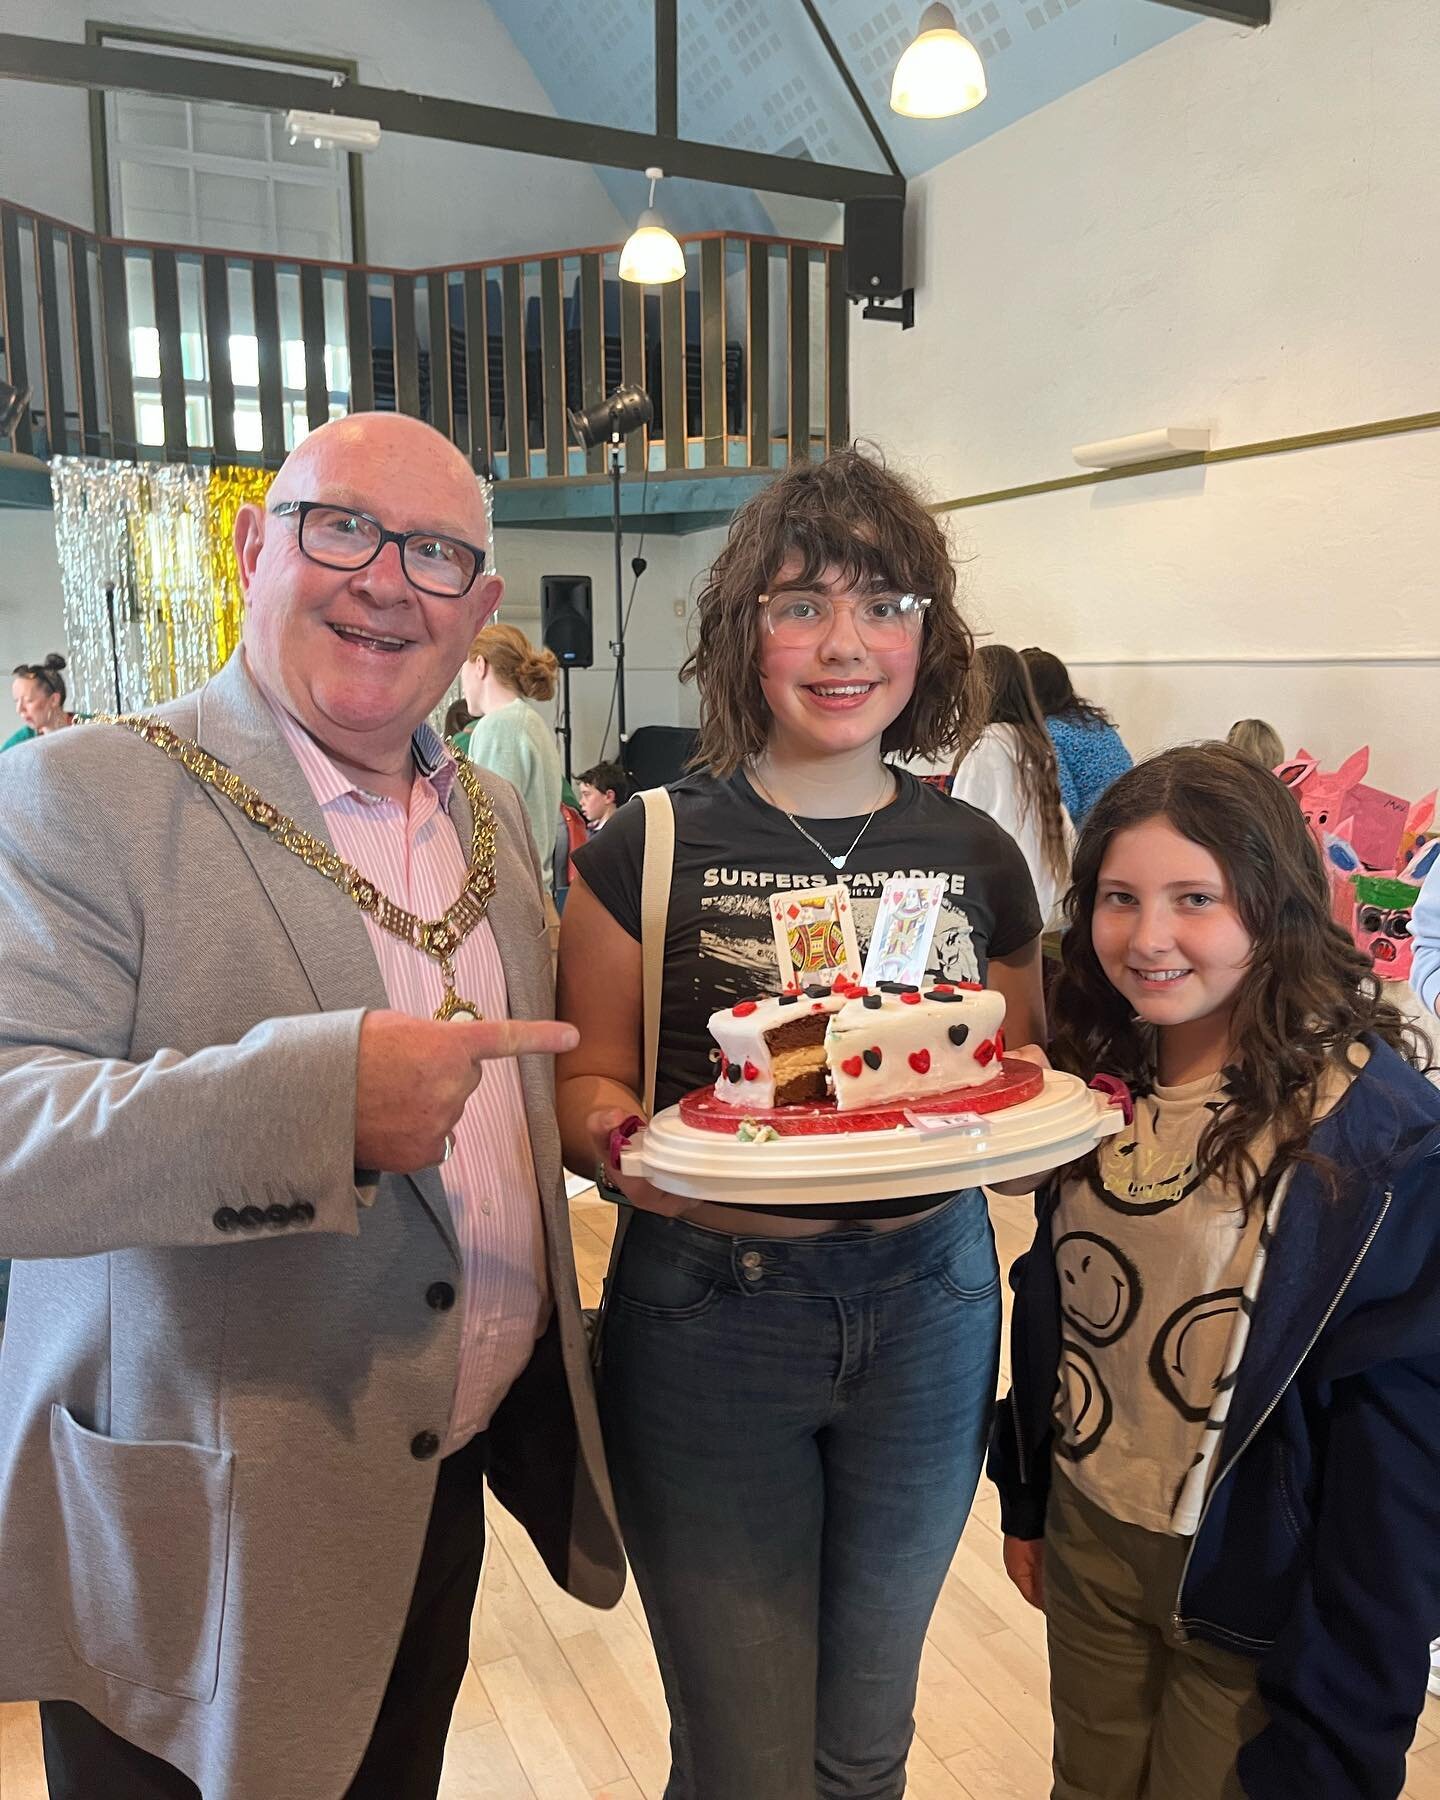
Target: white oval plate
x=1064 y=1121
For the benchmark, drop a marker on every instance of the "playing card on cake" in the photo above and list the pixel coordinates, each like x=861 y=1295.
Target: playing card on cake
x=814 y=934
x=904 y=930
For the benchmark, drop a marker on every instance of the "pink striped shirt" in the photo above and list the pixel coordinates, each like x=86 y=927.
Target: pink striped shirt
x=414 y=856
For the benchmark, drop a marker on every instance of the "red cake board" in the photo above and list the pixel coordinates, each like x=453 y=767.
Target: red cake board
x=1018 y=1082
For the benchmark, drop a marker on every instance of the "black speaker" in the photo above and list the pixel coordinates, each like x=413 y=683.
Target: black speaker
x=656 y=755
x=565 y=619
x=875 y=247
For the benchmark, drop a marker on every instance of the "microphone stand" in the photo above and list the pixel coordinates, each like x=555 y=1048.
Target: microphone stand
x=617 y=648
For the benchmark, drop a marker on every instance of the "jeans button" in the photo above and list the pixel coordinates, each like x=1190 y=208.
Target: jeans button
x=753 y=1263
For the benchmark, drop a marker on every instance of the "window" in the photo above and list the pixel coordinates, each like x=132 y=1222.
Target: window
x=223 y=177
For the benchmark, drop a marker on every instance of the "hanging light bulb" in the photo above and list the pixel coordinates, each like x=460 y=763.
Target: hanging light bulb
x=941 y=73
x=652 y=254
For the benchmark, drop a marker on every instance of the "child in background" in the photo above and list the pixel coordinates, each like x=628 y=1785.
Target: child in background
x=1227 y=1504
x=1010 y=772
x=1259 y=741
x=1089 y=751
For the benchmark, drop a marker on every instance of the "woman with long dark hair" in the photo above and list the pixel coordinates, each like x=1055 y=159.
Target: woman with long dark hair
x=1010 y=772
x=1088 y=748
x=1219 y=1461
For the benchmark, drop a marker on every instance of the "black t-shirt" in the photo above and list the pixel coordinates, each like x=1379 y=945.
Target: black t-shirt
x=733 y=851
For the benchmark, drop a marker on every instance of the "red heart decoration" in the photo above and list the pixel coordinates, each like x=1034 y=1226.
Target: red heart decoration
x=851 y=1066
x=920 y=1061
x=743 y=1008
x=909 y=999
x=751 y=1072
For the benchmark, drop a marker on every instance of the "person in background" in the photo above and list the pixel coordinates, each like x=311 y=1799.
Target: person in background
x=503 y=671
x=458 y=719
x=39 y=691
x=1010 y=773
x=1258 y=740
x=1089 y=752
x=1425 y=930
x=1219 y=1459
x=600 y=791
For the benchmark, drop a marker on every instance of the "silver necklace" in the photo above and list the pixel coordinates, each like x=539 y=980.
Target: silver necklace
x=837 y=862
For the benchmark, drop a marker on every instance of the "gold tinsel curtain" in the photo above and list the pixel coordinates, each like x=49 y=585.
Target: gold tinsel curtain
x=147 y=568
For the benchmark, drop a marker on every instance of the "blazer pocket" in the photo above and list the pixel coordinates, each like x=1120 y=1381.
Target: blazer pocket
x=145 y=1537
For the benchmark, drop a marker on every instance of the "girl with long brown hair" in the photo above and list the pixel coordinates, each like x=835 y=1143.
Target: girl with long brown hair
x=794 y=1405
x=1219 y=1461
x=1009 y=772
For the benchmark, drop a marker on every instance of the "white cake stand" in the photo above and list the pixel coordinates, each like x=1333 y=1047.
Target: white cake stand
x=1064 y=1121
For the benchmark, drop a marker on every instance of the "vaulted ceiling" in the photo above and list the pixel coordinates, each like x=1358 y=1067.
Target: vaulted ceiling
x=754 y=74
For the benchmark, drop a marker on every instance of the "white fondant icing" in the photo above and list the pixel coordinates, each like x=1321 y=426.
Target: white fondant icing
x=897 y=1028
x=900 y=1031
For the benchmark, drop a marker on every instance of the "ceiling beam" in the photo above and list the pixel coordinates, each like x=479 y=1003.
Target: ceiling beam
x=1234 y=12
x=833 y=51
x=64 y=64
x=667 y=70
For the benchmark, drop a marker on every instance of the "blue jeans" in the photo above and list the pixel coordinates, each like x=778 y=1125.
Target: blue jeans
x=795 y=1430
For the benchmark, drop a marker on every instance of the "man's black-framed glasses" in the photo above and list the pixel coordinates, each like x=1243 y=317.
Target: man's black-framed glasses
x=339 y=537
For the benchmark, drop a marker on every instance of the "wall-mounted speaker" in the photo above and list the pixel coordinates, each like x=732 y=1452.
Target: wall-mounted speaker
x=565 y=619
x=875 y=247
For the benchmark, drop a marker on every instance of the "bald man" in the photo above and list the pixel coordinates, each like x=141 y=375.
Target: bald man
x=279 y=1162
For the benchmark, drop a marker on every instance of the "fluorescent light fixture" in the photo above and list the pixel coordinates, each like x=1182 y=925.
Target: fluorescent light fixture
x=941 y=73
x=331 y=131
x=1145 y=446
x=652 y=255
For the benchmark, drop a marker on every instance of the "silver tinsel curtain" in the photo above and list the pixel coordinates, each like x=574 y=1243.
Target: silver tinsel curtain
x=147 y=573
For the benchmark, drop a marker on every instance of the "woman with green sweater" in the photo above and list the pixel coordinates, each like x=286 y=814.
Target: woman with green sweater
x=503 y=672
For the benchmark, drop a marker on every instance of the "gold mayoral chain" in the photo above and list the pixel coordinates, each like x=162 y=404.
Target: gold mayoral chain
x=439 y=938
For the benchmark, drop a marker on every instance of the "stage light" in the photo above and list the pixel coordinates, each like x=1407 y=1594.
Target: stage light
x=612 y=417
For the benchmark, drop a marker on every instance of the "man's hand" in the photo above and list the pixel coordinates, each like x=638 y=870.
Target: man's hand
x=636 y=1190
x=415 y=1075
x=1025 y=1565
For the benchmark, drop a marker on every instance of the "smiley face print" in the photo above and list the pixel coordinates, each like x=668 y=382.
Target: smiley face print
x=1086 y=1409
x=1191 y=1345
x=1100 y=1288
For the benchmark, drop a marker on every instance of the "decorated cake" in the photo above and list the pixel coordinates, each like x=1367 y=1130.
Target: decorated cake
x=862 y=1046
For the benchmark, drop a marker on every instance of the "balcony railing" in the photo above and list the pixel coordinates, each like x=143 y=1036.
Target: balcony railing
x=137 y=350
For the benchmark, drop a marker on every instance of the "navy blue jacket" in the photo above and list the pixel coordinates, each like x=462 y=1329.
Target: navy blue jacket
x=1318 y=1551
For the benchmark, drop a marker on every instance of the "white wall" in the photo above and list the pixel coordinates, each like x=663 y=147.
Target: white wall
x=31 y=612
x=425 y=201
x=656 y=640
x=1239 y=229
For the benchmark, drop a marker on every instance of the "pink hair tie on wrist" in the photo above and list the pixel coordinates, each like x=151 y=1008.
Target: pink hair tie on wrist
x=1118 y=1093
x=620 y=1137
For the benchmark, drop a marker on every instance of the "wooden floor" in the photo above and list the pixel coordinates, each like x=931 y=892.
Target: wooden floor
x=562 y=1703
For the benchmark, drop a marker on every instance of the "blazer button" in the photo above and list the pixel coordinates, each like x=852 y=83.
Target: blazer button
x=424 y=1444
x=440 y=1295
x=225 y=1218
x=277 y=1215
x=302 y=1212
x=251 y=1218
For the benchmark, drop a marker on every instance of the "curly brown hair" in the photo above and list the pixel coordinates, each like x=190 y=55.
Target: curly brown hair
x=852 y=515
x=1310 y=992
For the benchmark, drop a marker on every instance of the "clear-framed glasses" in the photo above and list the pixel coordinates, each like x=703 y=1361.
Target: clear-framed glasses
x=882 y=621
x=339 y=537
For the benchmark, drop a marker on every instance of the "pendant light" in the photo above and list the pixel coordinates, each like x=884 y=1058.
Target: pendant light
x=652 y=254
x=941 y=73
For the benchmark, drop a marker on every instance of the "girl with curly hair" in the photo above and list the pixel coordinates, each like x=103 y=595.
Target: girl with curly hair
x=796 y=1400
x=1220 y=1455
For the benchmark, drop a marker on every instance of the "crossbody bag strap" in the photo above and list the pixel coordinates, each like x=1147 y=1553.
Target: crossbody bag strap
x=656 y=873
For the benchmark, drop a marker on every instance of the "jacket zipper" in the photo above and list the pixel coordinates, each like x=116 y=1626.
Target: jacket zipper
x=1177 y=1624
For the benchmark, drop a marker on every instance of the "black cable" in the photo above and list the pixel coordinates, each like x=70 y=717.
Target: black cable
x=639 y=566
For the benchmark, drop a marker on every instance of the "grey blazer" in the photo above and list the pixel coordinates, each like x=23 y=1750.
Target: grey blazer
x=210 y=1513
